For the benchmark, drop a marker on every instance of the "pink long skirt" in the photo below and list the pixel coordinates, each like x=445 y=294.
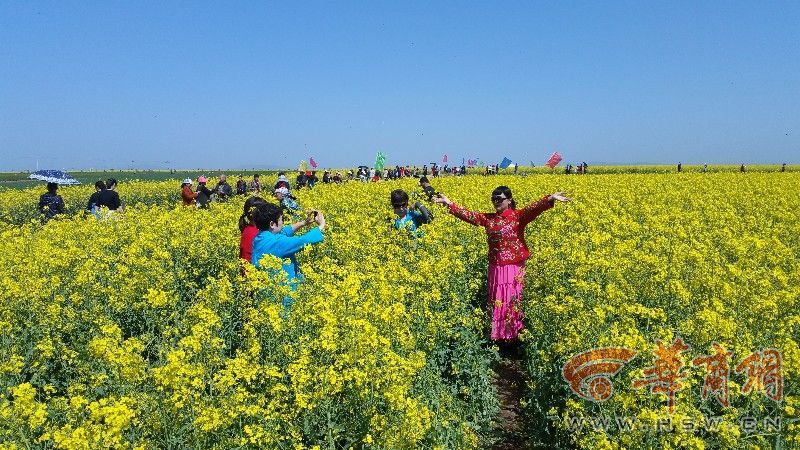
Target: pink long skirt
x=505 y=293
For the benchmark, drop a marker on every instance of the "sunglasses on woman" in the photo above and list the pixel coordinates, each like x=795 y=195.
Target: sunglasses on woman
x=498 y=198
x=399 y=205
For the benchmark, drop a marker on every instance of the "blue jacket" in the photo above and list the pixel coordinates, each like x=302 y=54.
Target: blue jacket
x=411 y=221
x=284 y=245
x=290 y=204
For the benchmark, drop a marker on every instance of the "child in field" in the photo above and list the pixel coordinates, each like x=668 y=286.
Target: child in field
x=405 y=217
x=505 y=231
x=287 y=201
x=278 y=240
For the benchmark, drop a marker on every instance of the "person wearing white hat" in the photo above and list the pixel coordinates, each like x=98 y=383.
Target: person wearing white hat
x=282 y=181
x=187 y=194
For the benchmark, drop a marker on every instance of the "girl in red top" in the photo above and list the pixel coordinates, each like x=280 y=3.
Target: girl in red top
x=248 y=228
x=505 y=232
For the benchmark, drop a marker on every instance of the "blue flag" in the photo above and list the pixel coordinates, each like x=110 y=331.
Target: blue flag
x=506 y=162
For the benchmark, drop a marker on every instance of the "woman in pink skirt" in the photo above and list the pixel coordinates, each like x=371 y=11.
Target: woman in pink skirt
x=505 y=232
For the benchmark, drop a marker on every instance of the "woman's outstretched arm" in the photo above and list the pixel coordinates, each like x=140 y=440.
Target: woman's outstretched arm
x=531 y=211
x=472 y=217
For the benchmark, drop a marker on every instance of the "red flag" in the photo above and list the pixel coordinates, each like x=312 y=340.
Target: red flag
x=444 y=158
x=554 y=160
x=312 y=162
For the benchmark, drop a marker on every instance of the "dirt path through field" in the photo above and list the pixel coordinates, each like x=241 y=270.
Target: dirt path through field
x=510 y=384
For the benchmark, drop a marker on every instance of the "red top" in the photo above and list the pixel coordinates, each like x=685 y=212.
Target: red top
x=505 y=232
x=188 y=196
x=246 y=243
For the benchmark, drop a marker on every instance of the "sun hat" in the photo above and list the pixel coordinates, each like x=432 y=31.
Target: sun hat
x=187 y=181
x=201 y=179
x=282 y=178
x=282 y=190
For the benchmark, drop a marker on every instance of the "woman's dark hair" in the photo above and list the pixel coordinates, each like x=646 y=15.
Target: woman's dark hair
x=247 y=215
x=99 y=185
x=504 y=190
x=110 y=183
x=398 y=197
x=265 y=214
x=52 y=187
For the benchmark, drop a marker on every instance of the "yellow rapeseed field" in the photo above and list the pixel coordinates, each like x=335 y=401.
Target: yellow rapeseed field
x=140 y=330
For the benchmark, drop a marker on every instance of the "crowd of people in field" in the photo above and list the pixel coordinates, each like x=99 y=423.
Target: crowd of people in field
x=742 y=168
x=105 y=195
x=263 y=231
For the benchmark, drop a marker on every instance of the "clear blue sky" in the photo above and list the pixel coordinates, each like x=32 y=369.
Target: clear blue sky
x=255 y=84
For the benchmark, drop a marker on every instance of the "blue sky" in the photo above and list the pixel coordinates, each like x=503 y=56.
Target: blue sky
x=258 y=84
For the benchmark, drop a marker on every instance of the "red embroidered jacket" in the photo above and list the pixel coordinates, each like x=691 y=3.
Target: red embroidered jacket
x=505 y=232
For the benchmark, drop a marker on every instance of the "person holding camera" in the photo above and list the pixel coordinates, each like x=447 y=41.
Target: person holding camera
x=405 y=217
x=425 y=184
x=505 y=231
x=223 y=191
x=203 y=192
x=279 y=240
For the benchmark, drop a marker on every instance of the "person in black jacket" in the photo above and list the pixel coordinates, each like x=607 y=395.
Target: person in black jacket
x=50 y=203
x=425 y=184
x=223 y=190
x=241 y=186
x=109 y=197
x=203 y=192
x=301 y=179
x=99 y=187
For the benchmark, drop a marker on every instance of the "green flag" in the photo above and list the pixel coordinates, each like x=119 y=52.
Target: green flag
x=380 y=160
